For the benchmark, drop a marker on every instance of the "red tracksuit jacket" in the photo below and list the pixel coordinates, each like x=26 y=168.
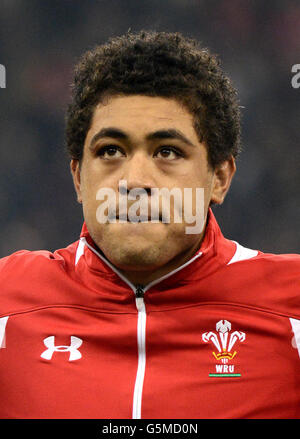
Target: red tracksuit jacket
x=218 y=337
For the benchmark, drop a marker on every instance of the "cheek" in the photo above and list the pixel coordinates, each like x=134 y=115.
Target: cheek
x=89 y=180
x=88 y=195
x=198 y=187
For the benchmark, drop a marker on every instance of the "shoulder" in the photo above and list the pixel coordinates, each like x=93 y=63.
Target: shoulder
x=20 y=259
x=29 y=278
x=257 y=264
x=266 y=280
x=267 y=260
x=23 y=260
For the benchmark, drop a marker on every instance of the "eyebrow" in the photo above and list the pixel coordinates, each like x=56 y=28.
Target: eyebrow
x=169 y=134
x=116 y=133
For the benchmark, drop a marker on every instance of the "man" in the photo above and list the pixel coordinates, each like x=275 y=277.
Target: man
x=146 y=318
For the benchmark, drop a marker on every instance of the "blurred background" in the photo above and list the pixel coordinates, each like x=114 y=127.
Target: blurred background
x=40 y=40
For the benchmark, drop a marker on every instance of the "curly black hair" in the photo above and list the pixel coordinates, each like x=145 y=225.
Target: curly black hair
x=157 y=64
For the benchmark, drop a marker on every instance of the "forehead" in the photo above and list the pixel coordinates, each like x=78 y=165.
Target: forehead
x=142 y=114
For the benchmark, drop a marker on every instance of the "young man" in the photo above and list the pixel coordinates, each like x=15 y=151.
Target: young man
x=146 y=318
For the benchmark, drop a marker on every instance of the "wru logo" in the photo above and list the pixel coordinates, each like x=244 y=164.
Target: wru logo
x=73 y=348
x=223 y=341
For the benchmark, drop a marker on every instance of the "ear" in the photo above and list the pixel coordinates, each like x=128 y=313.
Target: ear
x=222 y=178
x=75 y=171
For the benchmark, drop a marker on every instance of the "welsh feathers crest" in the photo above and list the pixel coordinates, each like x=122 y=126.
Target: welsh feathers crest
x=223 y=340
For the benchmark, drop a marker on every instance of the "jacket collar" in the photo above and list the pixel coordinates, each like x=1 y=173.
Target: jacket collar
x=214 y=252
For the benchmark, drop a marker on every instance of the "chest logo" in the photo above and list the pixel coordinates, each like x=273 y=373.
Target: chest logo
x=49 y=342
x=224 y=341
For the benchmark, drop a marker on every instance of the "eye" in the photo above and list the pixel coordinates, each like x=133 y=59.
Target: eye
x=110 y=152
x=170 y=153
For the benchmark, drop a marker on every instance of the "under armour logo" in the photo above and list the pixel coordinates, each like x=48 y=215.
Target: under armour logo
x=73 y=348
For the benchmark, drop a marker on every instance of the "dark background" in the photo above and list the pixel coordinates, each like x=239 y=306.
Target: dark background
x=258 y=41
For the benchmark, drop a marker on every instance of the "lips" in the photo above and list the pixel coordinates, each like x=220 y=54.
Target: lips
x=141 y=219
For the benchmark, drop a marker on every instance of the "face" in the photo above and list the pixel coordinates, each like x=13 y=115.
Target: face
x=149 y=142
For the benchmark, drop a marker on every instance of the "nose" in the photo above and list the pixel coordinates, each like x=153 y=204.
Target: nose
x=139 y=172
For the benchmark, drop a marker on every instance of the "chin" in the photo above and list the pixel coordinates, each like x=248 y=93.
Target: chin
x=138 y=235
x=134 y=255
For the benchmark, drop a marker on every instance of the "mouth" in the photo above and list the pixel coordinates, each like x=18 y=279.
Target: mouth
x=141 y=219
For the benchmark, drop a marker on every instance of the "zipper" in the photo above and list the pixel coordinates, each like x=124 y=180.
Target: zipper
x=139 y=292
x=141 y=341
